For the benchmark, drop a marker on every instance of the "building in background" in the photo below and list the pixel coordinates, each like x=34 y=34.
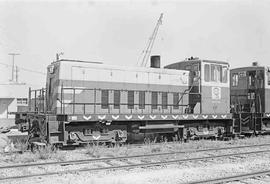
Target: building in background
x=13 y=98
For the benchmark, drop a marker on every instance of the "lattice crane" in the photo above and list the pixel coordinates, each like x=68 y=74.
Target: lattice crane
x=147 y=51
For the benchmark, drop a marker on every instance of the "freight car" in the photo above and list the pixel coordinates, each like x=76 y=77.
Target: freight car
x=89 y=101
x=250 y=99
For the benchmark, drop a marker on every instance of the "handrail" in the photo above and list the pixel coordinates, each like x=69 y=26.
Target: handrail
x=38 y=99
x=95 y=104
x=111 y=89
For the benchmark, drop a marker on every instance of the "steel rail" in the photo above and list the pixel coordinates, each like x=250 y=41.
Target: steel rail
x=82 y=161
x=132 y=165
x=232 y=178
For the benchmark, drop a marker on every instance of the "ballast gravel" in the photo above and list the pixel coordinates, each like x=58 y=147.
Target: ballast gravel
x=175 y=173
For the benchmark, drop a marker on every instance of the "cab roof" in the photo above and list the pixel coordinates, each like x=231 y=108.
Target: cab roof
x=196 y=60
x=249 y=68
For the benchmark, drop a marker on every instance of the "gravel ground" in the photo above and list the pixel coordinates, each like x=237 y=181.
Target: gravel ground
x=175 y=173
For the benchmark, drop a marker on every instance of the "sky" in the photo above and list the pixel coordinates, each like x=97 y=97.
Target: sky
x=116 y=32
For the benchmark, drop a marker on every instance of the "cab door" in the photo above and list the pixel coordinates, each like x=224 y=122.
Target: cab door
x=195 y=88
x=255 y=87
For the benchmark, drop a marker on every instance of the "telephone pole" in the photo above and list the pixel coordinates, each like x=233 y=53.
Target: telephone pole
x=17 y=74
x=12 y=73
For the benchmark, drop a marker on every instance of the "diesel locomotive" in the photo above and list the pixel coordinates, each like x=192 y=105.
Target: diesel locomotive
x=250 y=99
x=90 y=101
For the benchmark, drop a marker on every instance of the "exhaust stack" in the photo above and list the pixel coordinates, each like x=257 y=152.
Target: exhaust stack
x=155 y=61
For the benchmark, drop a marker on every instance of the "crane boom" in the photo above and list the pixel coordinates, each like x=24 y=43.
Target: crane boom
x=148 y=49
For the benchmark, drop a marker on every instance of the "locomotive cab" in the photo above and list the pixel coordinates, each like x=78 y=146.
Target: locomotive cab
x=209 y=96
x=250 y=96
x=208 y=85
x=215 y=87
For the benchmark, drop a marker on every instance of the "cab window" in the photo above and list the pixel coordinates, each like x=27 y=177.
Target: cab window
x=215 y=73
x=224 y=78
x=196 y=71
x=235 y=79
x=195 y=67
x=206 y=73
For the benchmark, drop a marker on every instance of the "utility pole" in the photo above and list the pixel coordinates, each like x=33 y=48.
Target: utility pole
x=17 y=74
x=13 y=56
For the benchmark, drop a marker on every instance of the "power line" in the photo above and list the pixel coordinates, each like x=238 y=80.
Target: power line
x=25 y=69
x=29 y=70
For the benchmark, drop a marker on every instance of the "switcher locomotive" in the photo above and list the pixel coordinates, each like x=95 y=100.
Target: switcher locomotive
x=89 y=101
x=250 y=99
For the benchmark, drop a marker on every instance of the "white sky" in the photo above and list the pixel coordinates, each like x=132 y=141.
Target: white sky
x=116 y=32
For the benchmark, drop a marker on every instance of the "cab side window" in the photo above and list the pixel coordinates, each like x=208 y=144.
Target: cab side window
x=224 y=78
x=206 y=73
x=196 y=72
x=215 y=73
x=235 y=79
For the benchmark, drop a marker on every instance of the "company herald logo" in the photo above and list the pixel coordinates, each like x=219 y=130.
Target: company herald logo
x=216 y=93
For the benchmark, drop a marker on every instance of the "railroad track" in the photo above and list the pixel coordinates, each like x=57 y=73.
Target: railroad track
x=82 y=161
x=240 y=177
x=130 y=164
